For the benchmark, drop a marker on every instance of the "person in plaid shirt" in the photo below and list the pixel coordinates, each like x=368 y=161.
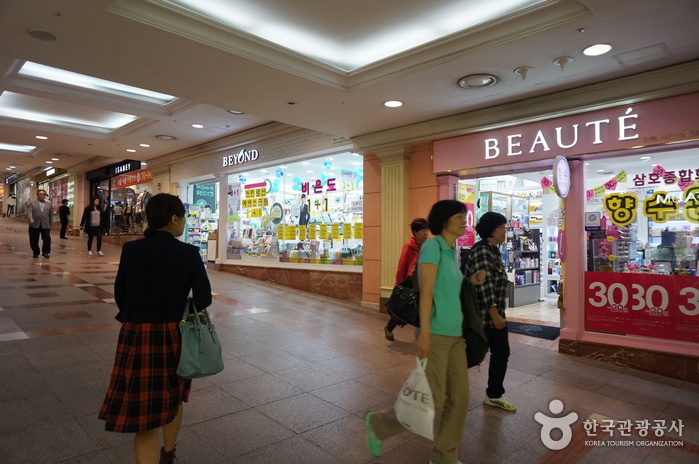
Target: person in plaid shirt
x=491 y=297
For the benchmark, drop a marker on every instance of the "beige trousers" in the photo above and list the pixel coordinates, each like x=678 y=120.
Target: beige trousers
x=447 y=375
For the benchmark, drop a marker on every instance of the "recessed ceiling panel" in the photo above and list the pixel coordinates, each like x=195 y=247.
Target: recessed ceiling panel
x=21 y=107
x=350 y=35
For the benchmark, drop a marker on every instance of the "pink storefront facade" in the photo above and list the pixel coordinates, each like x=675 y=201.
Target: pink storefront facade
x=639 y=314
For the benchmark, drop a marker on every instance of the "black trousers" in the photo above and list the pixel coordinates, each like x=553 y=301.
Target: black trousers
x=499 y=355
x=64 y=227
x=93 y=232
x=45 y=234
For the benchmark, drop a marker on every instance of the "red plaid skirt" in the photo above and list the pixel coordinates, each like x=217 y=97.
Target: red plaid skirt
x=145 y=391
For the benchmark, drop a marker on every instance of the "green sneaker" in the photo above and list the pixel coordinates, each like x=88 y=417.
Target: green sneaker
x=373 y=443
x=499 y=403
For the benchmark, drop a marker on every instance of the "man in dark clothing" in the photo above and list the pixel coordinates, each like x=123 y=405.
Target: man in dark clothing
x=63 y=213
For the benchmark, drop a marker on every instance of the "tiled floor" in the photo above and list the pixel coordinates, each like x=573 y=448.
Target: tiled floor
x=301 y=370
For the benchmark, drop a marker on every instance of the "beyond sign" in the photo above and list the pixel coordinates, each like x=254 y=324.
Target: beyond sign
x=623 y=128
x=241 y=157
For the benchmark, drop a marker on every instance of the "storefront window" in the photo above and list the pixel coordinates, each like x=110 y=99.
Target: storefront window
x=127 y=196
x=202 y=216
x=303 y=212
x=643 y=214
x=642 y=229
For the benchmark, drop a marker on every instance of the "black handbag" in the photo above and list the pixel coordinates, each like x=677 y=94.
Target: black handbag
x=404 y=303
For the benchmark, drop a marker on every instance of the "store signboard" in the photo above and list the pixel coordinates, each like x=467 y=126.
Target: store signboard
x=242 y=157
x=593 y=221
x=205 y=194
x=142 y=176
x=650 y=305
x=656 y=122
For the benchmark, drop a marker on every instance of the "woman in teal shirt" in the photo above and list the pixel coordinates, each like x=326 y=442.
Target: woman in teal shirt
x=440 y=339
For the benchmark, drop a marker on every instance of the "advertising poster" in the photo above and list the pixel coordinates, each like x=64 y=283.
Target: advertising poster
x=466 y=194
x=651 y=305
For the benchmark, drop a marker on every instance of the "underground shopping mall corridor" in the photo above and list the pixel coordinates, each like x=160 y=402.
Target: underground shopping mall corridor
x=301 y=371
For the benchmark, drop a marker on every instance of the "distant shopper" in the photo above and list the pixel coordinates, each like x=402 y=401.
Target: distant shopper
x=63 y=213
x=491 y=299
x=94 y=221
x=407 y=264
x=441 y=339
x=39 y=218
x=11 y=202
x=155 y=276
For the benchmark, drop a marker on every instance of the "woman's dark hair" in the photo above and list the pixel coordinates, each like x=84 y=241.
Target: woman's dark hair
x=488 y=223
x=64 y=201
x=441 y=212
x=159 y=211
x=92 y=203
x=419 y=224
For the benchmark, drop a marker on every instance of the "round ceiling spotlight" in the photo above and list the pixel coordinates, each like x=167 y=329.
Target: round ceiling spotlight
x=477 y=81
x=393 y=104
x=597 y=49
x=42 y=35
x=165 y=137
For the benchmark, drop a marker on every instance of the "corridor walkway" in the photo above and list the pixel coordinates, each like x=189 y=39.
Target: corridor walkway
x=301 y=371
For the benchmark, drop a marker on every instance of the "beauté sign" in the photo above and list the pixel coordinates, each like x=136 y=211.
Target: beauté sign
x=243 y=156
x=656 y=122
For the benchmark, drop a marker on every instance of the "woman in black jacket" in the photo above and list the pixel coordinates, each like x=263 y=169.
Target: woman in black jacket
x=154 y=279
x=94 y=221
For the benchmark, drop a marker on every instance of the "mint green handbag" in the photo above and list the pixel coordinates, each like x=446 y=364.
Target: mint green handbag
x=200 y=355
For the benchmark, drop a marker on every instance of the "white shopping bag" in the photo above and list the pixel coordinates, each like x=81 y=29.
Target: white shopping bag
x=415 y=406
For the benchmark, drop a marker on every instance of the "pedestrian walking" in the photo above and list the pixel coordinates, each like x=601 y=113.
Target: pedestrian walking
x=94 y=221
x=39 y=218
x=63 y=213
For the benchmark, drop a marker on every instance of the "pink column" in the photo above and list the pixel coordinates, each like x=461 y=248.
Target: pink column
x=445 y=186
x=575 y=253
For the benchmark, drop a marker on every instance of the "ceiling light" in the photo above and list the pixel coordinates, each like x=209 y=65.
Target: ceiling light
x=477 y=81
x=143 y=163
x=165 y=137
x=144 y=145
x=55 y=159
x=597 y=49
x=12 y=167
x=41 y=137
x=234 y=112
x=42 y=35
x=393 y=104
x=131 y=150
x=49 y=162
x=197 y=126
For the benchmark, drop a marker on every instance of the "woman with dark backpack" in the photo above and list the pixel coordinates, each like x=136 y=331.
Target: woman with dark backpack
x=407 y=264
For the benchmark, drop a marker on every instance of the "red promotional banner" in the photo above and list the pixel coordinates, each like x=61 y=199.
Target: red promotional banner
x=133 y=178
x=651 y=305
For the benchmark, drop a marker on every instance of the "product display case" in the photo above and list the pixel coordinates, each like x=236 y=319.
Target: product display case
x=522 y=258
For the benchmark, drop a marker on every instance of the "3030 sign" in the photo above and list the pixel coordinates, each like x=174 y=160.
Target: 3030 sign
x=643 y=304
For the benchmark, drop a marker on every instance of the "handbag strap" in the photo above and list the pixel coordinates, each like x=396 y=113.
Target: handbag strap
x=190 y=309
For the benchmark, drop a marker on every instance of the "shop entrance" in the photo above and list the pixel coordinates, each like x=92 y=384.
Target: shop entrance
x=530 y=252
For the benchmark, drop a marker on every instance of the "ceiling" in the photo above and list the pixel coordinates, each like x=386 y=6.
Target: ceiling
x=318 y=65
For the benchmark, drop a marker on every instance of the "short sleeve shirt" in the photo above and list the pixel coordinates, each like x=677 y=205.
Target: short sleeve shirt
x=446 y=315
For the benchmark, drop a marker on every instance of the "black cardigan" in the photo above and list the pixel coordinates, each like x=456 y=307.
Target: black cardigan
x=155 y=277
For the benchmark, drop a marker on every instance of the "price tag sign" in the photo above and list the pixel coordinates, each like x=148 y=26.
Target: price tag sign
x=311 y=232
x=359 y=230
x=347 y=230
x=335 y=231
x=323 y=231
x=302 y=232
x=651 y=305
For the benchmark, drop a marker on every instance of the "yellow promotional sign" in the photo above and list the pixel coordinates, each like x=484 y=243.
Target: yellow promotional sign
x=289 y=232
x=335 y=231
x=280 y=232
x=302 y=232
x=311 y=232
x=347 y=230
x=359 y=230
x=323 y=231
x=255 y=212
